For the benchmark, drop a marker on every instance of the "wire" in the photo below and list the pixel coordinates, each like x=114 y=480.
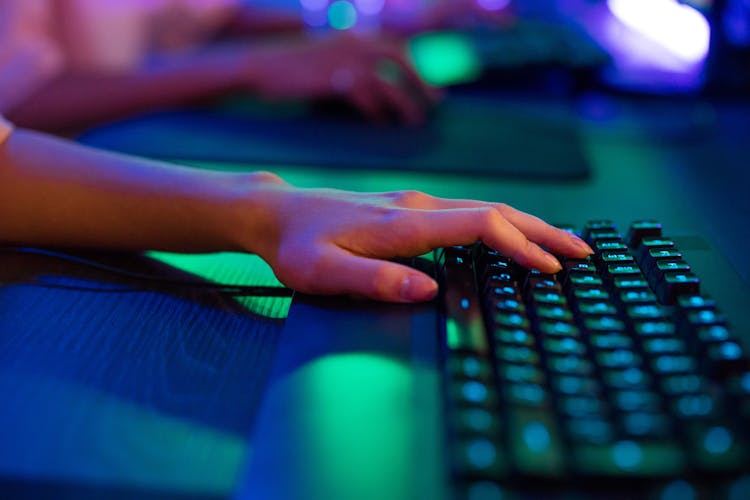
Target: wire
x=239 y=290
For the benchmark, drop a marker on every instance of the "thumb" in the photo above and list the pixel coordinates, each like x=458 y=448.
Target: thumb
x=376 y=279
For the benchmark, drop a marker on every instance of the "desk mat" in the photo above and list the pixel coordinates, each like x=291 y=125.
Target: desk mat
x=465 y=134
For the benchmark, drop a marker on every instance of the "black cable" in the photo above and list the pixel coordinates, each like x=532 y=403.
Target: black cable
x=239 y=290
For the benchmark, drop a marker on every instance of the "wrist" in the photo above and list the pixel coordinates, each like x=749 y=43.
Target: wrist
x=253 y=223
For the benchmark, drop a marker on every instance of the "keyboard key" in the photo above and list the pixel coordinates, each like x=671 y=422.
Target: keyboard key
x=480 y=457
x=669 y=345
x=637 y=400
x=608 y=258
x=675 y=385
x=657 y=243
x=619 y=358
x=603 y=324
x=563 y=346
x=570 y=365
x=582 y=406
x=530 y=395
x=534 y=443
x=598 y=225
x=675 y=284
x=695 y=406
x=630 y=459
x=655 y=329
x=549 y=298
x=469 y=367
x=576 y=386
x=717 y=446
x=522 y=374
x=646 y=425
x=610 y=341
x=517 y=354
x=668 y=364
x=558 y=329
x=642 y=229
x=476 y=421
x=597 y=309
x=637 y=297
x=473 y=393
x=514 y=336
x=627 y=378
x=591 y=293
x=590 y=430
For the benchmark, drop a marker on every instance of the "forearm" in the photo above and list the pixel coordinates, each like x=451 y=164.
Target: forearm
x=77 y=98
x=54 y=193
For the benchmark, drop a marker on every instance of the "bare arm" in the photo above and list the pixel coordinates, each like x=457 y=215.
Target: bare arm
x=56 y=193
x=76 y=98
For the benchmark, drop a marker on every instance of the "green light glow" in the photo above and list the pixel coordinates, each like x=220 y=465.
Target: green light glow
x=232 y=269
x=358 y=402
x=445 y=58
x=342 y=15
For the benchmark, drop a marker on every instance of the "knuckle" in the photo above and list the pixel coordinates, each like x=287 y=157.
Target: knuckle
x=267 y=177
x=410 y=198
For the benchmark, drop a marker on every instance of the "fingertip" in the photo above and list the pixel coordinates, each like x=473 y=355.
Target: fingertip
x=418 y=288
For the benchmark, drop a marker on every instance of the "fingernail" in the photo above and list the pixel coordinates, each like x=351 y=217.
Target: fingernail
x=578 y=242
x=553 y=262
x=418 y=288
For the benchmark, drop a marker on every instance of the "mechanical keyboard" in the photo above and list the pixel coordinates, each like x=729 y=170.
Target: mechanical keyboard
x=617 y=368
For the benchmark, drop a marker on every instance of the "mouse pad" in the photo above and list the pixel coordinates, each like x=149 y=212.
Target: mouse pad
x=465 y=134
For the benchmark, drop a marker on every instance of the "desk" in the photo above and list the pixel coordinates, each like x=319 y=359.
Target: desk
x=152 y=393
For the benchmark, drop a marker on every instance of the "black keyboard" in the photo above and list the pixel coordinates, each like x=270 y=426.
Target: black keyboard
x=618 y=368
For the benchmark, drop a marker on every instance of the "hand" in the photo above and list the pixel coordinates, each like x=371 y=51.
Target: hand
x=346 y=67
x=411 y=18
x=326 y=241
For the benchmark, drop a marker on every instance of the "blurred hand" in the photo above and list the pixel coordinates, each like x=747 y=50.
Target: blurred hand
x=326 y=241
x=412 y=18
x=372 y=74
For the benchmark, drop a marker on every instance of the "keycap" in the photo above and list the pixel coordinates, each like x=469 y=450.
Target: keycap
x=628 y=458
x=716 y=446
x=636 y=400
x=619 y=358
x=583 y=406
x=590 y=293
x=610 y=341
x=642 y=229
x=669 y=345
x=523 y=374
x=675 y=284
x=473 y=393
x=597 y=309
x=667 y=364
x=589 y=430
x=575 y=385
x=657 y=243
x=570 y=365
x=464 y=325
x=514 y=336
x=534 y=443
x=597 y=225
x=646 y=425
x=627 y=378
x=468 y=366
x=479 y=457
x=558 y=329
x=637 y=297
x=695 y=406
x=517 y=354
x=563 y=346
x=476 y=421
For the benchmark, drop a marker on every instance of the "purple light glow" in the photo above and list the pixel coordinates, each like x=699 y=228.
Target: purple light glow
x=493 y=5
x=678 y=28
